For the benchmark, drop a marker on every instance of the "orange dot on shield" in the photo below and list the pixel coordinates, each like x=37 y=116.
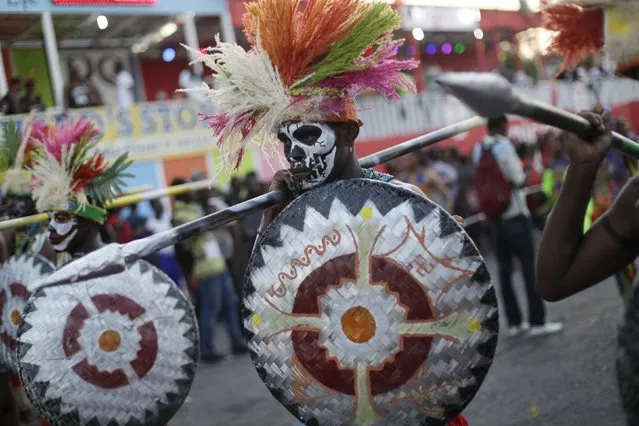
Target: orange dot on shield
x=358 y=324
x=110 y=341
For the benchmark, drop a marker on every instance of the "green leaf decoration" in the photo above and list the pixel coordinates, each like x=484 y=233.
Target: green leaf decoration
x=10 y=145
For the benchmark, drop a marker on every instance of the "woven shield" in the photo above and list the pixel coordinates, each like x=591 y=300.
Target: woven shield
x=365 y=303
x=17 y=278
x=115 y=350
x=628 y=358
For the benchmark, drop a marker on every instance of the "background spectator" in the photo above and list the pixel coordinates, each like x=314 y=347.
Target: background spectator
x=165 y=258
x=10 y=103
x=512 y=229
x=124 y=84
x=31 y=101
x=215 y=289
x=81 y=93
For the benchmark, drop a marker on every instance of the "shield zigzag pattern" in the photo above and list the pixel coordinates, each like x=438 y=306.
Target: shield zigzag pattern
x=365 y=303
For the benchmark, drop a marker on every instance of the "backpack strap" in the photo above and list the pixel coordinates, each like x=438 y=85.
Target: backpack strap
x=487 y=147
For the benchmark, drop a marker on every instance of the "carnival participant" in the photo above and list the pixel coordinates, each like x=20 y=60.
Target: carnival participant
x=570 y=262
x=579 y=28
x=72 y=183
x=295 y=89
x=16 y=155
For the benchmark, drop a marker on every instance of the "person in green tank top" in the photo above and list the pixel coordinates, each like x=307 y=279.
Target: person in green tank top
x=214 y=287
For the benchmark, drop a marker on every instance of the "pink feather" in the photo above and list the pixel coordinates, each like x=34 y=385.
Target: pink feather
x=55 y=137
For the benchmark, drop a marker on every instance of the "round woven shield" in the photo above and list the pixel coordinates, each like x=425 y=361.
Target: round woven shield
x=17 y=278
x=115 y=350
x=365 y=303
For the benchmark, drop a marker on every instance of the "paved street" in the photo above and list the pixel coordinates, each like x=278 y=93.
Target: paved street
x=564 y=379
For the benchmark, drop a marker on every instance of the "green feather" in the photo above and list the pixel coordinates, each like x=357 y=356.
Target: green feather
x=376 y=23
x=10 y=145
x=111 y=184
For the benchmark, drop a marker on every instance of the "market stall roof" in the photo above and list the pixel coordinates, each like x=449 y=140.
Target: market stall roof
x=82 y=31
x=507 y=20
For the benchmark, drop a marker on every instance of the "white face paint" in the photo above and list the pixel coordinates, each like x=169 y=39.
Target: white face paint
x=311 y=146
x=66 y=231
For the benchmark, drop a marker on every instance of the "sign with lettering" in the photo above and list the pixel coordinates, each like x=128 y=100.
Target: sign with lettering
x=105 y=2
x=146 y=131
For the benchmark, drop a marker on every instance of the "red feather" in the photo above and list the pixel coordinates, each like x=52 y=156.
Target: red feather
x=239 y=159
x=89 y=171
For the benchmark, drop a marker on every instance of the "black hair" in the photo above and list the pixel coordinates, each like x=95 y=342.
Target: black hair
x=496 y=124
x=181 y=197
x=178 y=181
x=522 y=150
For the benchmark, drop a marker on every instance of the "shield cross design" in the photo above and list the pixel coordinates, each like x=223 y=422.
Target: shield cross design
x=365 y=303
x=119 y=349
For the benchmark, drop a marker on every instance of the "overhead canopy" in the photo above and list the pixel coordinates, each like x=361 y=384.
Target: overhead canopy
x=82 y=31
x=116 y=7
x=503 y=20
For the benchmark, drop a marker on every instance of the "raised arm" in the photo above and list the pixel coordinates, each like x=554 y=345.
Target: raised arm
x=569 y=261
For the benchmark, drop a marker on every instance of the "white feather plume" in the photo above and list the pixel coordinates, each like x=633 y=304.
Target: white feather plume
x=54 y=182
x=248 y=84
x=17 y=179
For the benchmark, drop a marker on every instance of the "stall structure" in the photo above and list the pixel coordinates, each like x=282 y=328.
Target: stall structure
x=45 y=40
x=162 y=132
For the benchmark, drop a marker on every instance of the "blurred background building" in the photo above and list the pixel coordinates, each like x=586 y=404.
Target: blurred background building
x=121 y=62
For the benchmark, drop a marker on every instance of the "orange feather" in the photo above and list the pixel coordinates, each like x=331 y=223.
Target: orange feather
x=580 y=31
x=296 y=37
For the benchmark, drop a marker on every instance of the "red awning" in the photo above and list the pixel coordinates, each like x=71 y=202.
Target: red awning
x=494 y=20
x=237 y=9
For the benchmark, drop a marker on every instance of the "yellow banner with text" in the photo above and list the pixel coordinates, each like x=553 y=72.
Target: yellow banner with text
x=154 y=130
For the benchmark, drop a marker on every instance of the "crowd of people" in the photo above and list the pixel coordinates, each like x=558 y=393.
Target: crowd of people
x=536 y=172
x=21 y=98
x=79 y=92
x=210 y=268
x=510 y=184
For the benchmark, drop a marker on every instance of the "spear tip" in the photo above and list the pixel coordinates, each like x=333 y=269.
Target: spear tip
x=488 y=94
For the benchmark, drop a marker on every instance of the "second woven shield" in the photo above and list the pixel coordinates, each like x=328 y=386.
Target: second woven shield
x=17 y=278
x=365 y=303
x=114 y=350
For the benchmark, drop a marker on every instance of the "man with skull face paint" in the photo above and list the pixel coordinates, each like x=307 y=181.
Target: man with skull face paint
x=299 y=81
x=321 y=153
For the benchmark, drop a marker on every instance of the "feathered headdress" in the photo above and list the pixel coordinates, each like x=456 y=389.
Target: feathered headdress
x=68 y=175
x=16 y=154
x=305 y=63
x=586 y=26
